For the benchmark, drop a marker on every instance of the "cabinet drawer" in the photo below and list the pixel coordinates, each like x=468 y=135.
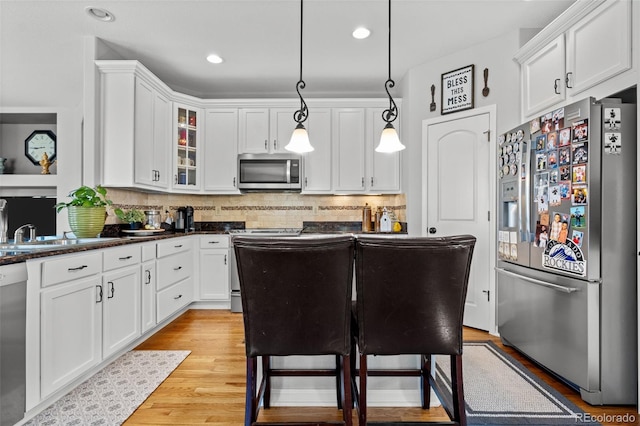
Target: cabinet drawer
x=173 y=246
x=173 y=298
x=70 y=268
x=174 y=268
x=119 y=257
x=214 y=242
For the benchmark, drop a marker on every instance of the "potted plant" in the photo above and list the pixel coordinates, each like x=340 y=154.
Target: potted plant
x=133 y=217
x=87 y=210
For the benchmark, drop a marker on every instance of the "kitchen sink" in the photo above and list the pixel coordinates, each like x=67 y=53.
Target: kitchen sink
x=49 y=244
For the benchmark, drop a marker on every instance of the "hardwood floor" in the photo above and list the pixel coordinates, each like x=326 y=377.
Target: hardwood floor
x=208 y=387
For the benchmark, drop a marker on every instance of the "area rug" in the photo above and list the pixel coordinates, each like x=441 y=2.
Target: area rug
x=112 y=394
x=499 y=390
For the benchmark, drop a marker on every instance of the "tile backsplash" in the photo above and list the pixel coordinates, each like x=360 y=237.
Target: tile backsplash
x=260 y=210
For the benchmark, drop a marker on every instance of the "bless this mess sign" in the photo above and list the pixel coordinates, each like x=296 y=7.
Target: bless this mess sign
x=457 y=90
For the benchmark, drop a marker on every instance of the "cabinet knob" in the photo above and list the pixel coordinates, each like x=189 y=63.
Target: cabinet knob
x=432 y=230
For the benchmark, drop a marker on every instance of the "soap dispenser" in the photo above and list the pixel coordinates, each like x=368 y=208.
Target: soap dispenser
x=385 y=221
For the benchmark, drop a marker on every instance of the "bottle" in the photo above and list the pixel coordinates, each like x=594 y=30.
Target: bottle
x=366 y=218
x=377 y=220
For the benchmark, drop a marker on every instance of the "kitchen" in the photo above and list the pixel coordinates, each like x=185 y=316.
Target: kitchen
x=79 y=125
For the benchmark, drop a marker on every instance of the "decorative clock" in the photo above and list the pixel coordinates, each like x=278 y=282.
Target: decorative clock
x=38 y=143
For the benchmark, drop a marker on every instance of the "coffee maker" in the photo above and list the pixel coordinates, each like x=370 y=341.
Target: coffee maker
x=184 y=219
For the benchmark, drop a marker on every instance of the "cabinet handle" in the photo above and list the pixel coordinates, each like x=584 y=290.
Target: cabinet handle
x=177 y=268
x=124 y=258
x=363 y=182
x=99 y=287
x=266 y=147
x=306 y=183
x=79 y=268
x=225 y=259
x=371 y=180
x=178 y=246
x=555 y=86
x=275 y=144
x=112 y=290
x=148 y=280
x=566 y=80
x=177 y=297
x=214 y=242
x=175 y=179
x=234 y=182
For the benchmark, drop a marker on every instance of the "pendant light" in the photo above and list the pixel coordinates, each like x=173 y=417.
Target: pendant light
x=389 y=140
x=300 y=138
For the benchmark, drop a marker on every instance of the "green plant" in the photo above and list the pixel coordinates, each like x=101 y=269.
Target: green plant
x=86 y=196
x=130 y=216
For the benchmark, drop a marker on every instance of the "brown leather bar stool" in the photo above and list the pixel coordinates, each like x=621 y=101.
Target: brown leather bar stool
x=410 y=300
x=296 y=300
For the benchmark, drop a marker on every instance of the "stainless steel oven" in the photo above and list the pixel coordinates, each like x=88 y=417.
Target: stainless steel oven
x=236 y=303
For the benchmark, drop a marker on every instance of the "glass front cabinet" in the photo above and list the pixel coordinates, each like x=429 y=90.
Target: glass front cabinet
x=187 y=147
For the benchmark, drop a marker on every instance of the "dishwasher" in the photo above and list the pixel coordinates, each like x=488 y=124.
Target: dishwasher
x=13 y=315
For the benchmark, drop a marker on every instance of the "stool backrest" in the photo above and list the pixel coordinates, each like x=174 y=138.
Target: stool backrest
x=411 y=293
x=296 y=294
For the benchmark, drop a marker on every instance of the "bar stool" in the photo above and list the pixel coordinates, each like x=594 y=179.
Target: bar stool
x=296 y=300
x=410 y=300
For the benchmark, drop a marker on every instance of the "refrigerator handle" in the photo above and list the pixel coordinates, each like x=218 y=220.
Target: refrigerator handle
x=524 y=205
x=556 y=287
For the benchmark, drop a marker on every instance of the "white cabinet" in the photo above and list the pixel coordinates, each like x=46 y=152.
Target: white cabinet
x=71 y=321
x=348 y=146
x=174 y=285
x=265 y=130
x=135 y=126
x=221 y=150
x=121 y=310
x=317 y=163
x=148 y=288
x=383 y=169
x=587 y=46
x=186 y=147
x=214 y=268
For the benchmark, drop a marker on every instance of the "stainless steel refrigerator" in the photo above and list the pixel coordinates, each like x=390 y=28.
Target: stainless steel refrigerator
x=566 y=275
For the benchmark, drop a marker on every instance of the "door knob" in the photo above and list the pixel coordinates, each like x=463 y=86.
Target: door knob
x=432 y=230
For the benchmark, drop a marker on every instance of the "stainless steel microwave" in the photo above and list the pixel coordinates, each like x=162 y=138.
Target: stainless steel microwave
x=269 y=172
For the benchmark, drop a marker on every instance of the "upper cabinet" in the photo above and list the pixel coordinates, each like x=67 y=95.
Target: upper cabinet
x=348 y=144
x=317 y=163
x=383 y=168
x=221 y=153
x=584 y=48
x=265 y=130
x=135 y=128
x=186 y=145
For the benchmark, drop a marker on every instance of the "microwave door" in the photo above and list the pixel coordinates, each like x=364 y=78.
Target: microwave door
x=264 y=171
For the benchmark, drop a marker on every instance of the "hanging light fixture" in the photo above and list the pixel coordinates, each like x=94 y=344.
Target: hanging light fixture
x=300 y=138
x=389 y=140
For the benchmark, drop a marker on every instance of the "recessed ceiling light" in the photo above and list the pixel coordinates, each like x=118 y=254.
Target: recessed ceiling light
x=360 y=33
x=100 y=14
x=214 y=59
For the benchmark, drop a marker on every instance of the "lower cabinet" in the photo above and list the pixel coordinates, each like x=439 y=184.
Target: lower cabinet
x=175 y=297
x=174 y=265
x=148 y=296
x=121 y=309
x=71 y=331
x=214 y=268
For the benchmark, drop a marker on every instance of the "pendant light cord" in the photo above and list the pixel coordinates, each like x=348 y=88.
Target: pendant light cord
x=389 y=115
x=301 y=115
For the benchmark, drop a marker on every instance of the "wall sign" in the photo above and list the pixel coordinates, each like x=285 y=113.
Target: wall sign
x=457 y=90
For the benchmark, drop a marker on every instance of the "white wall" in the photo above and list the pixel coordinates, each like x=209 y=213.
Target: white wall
x=504 y=85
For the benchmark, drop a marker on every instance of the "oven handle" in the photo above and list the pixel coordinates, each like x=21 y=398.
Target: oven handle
x=556 y=287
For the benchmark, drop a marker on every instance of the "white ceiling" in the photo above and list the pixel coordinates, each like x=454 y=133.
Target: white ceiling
x=259 y=39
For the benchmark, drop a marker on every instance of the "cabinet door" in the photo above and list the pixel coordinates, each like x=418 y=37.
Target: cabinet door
x=281 y=127
x=143 y=133
x=161 y=153
x=121 y=311
x=254 y=130
x=543 y=76
x=186 y=148
x=317 y=163
x=348 y=150
x=148 y=296
x=221 y=150
x=71 y=324
x=383 y=169
x=214 y=274
x=599 y=46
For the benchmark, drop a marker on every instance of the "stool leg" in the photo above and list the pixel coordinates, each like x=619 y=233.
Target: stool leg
x=339 y=381
x=362 y=392
x=251 y=403
x=425 y=387
x=347 y=404
x=266 y=374
x=459 y=412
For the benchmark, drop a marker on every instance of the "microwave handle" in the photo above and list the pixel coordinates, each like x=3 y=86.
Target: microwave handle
x=288 y=171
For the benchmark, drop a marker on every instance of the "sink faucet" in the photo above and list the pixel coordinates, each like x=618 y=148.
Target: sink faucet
x=4 y=221
x=18 y=235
